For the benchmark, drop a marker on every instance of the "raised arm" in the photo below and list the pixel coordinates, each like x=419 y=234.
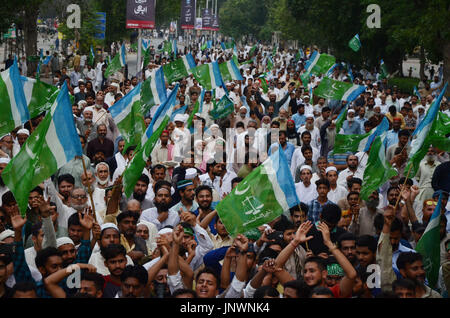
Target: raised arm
x=300 y=238
x=52 y=281
x=47 y=224
x=384 y=251
x=348 y=281
x=113 y=204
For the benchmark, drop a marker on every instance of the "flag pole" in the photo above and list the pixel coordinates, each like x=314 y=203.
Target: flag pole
x=89 y=186
x=400 y=194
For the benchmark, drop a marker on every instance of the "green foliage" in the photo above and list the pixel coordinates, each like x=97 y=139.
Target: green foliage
x=404 y=84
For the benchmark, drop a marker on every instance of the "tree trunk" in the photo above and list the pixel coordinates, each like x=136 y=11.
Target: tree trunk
x=422 y=63
x=446 y=55
x=30 y=30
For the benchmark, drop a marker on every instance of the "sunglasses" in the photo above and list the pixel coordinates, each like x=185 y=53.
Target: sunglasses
x=431 y=203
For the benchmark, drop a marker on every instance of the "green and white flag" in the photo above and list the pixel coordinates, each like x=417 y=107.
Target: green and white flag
x=269 y=64
x=378 y=169
x=355 y=43
x=439 y=134
x=262 y=196
x=13 y=105
x=40 y=96
x=429 y=246
x=128 y=117
x=252 y=51
x=383 y=71
x=160 y=120
x=319 y=63
x=179 y=69
x=355 y=143
x=230 y=72
x=91 y=57
x=422 y=137
x=117 y=62
x=208 y=75
x=53 y=144
x=153 y=91
x=223 y=108
x=335 y=90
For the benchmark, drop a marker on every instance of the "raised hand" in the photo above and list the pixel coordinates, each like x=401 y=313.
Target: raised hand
x=300 y=235
x=44 y=207
x=414 y=192
x=323 y=227
x=86 y=219
x=16 y=219
x=241 y=242
x=389 y=215
x=96 y=231
x=177 y=235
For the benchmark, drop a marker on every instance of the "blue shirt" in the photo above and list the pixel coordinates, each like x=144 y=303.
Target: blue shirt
x=354 y=129
x=289 y=151
x=211 y=224
x=391 y=138
x=299 y=120
x=314 y=210
x=361 y=122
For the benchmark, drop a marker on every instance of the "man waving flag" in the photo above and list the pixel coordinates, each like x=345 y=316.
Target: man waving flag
x=117 y=62
x=54 y=143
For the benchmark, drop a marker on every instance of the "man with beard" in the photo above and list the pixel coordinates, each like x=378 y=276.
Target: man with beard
x=272 y=100
x=336 y=191
x=101 y=143
x=139 y=193
x=102 y=176
x=350 y=126
x=292 y=135
x=66 y=184
x=287 y=147
x=186 y=189
x=161 y=215
x=135 y=246
x=98 y=195
x=3 y=188
x=6 y=144
x=299 y=214
x=362 y=222
x=400 y=141
x=206 y=108
x=409 y=264
x=204 y=196
x=347 y=245
x=314 y=131
x=86 y=127
x=352 y=171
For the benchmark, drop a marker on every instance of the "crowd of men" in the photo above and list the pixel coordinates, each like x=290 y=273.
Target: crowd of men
x=174 y=244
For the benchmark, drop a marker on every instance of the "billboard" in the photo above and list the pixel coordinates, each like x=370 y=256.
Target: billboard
x=140 y=14
x=188 y=14
x=207 y=19
x=215 y=23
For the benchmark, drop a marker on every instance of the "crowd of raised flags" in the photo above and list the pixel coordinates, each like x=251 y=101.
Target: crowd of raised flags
x=261 y=201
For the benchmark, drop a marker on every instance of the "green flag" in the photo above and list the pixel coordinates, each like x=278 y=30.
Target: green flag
x=194 y=111
x=262 y=196
x=167 y=48
x=264 y=85
x=429 y=246
x=160 y=120
x=179 y=68
x=383 y=71
x=222 y=109
x=336 y=90
x=117 y=63
x=252 y=51
x=440 y=131
x=208 y=75
x=52 y=144
x=128 y=117
x=422 y=136
x=355 y=43
x=378 y=170
x=274 y=51
x=40 y=96
x=346 y=143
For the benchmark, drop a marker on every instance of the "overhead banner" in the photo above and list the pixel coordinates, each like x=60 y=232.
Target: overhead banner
x=207 y=19
x=187 y=14
x=140 y=14
x=215 y=23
